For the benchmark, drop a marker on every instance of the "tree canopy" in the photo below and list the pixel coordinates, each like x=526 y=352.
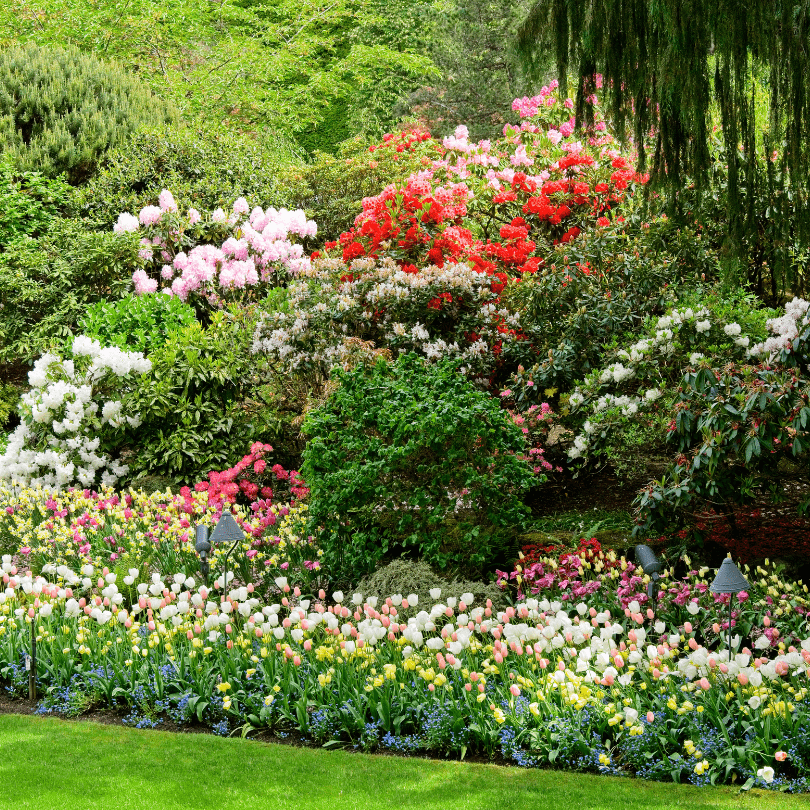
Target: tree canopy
x=677 y=68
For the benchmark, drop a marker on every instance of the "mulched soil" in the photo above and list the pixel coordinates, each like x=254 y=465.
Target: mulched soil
x=564 y=493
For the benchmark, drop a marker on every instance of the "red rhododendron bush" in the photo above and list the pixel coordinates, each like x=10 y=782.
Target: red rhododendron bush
x=499 y=206
x=434 y=265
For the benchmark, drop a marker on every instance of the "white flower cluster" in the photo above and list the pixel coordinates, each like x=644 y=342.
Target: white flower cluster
x=56 y=444
x=383 y=303
x=659 y=347
x=784 y=329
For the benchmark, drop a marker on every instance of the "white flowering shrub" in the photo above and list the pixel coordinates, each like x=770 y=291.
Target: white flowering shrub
x=256 y=249
x=784 y=329
x=70 y=417
x=636 y=388
x=439 y=313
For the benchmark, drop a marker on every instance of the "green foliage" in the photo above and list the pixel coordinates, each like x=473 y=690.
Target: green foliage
x=731 y=429
x=142 y=323
x=28 y=202
x=286 y=68
x=404 y=576
x=411 y=456
x=469 y=40
x=46 y=284
x=61 y=110
x=203 y=169
x=331 y=188
x=193 y=420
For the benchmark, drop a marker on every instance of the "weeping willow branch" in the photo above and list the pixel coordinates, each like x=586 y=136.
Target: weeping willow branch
x=668 y=65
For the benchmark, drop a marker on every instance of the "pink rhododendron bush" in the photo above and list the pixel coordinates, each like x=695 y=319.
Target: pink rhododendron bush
x=254 y=249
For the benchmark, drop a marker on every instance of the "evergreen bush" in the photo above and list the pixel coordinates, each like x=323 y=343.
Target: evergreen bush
x=60 y=110
x=410 y=456
x=204 y=170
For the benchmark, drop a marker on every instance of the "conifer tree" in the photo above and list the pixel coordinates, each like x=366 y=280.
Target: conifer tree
x=60 y=110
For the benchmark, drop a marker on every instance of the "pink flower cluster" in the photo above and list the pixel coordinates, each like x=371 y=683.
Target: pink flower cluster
x=259 y=251
x=251 y=478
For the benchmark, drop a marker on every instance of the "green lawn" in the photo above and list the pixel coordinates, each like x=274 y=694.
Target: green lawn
x=50 y=764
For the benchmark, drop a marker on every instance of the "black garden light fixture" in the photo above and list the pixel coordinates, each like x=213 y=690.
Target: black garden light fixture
x=203 y=547
x=729 y=580
x=227 y=530
x=651 y=566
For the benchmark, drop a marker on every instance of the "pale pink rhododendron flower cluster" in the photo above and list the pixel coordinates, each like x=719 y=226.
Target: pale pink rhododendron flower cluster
x=70 y=405
x=257 y=250
x=439 y=312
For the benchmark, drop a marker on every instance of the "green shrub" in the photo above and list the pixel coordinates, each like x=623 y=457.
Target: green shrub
x=60 y=110
x=47 y=284
x=9 y=397
x=142 y=323
x=28 y=202
x=193 y=419
x=731 y=429
x=404 y=576
x=204 y=170
x=410 y=455
x=331 y=188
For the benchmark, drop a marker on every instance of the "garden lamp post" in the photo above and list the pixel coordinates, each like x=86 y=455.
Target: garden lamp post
x=729 y=580
x=651 y=566
x=203 y=547
x=31 y=662
x=226 y=530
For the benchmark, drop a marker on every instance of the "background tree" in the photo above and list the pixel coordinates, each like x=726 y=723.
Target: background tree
x=677 y=68
x=473 y=45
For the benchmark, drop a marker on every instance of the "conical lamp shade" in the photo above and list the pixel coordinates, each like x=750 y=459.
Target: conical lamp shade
x=227 y=530
x=729 y=579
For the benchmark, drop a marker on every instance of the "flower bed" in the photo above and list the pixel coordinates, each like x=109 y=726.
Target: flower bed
x=598 y=683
